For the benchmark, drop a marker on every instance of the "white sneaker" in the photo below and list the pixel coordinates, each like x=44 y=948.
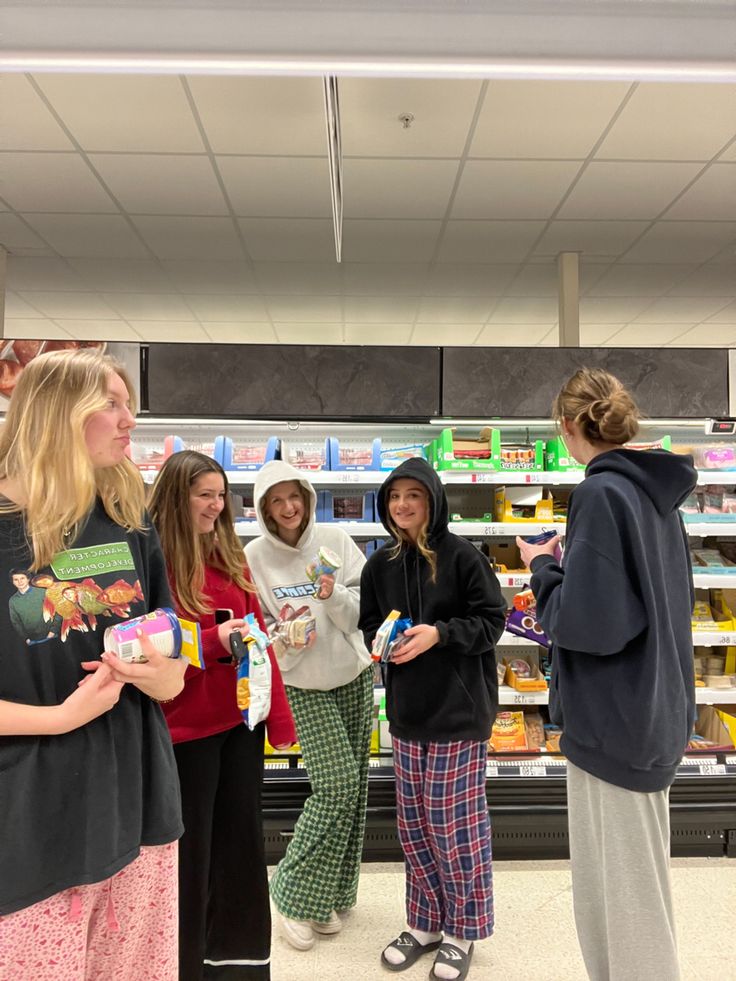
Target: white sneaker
x=333 y=925
x=299 y=933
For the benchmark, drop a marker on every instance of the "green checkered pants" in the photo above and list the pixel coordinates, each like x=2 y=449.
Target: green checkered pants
x=319 y=872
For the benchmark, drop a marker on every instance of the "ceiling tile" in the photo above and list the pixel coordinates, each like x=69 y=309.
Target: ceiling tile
x=512 y=188
x=682 y=241
x=35 y=329
x=205 y=276
x=449 y=335
x=159 y=184
x=598 y=335
x=18 y=308
x=89 y=236
x=398 y=188
x=712 y=196
x=379 y=334
x=470 y=279
x=726 y=315
x=639 y=280
x=63 y=305
x=607 y=238
x=124 y=112
x=380 y=278
x=518 y=310
x=227 y=309
x=712 y=279
x=149 y=306
x=612 y=309
x=370 y=110
x=488 y=241
x=42 y=273
x=99 y=330
x=299 y=277
x=673 y=122
x=730 y=152
x=14 y=234
x=239 y=333
x=683 y=309
x=25 y=121
x=174 y=331
x=455 y=310
x=512 y=335
x=380 y=310
x=51 y=182
x=123 y=275
x=273 y=187
x=309 y=333
x=288 y=239
x=305 y=309
x=369 y=240
x=709 y=335
x=646 y=335
x=626 y=189
x=186 y=238
x=541 y=278
x=544 y=118
x=248 y=114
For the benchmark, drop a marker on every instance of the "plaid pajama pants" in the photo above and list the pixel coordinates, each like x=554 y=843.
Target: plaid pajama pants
x=445 y=831
x=319 y=872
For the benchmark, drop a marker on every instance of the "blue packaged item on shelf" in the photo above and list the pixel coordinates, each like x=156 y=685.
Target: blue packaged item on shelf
x=246 y=454
x=354 y=454
x=353 y=505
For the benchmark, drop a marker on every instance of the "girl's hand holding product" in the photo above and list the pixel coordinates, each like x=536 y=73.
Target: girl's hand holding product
x=225 y=628
x=323 y=567
x=325 y=586
x=160 y=677
x=420 y=639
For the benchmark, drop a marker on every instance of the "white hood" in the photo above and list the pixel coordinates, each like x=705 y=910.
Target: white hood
x=273 y=473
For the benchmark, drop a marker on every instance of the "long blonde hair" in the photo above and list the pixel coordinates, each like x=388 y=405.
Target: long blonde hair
x=44 y=452
x=598 y=402
x=186 y=551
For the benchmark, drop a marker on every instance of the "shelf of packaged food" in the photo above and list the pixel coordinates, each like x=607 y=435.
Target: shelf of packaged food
x=544 y=765
x=703 y=696
x=547 y=478
x=708 y=638
x=725 y=477
x=468 y=529
x=705 y=529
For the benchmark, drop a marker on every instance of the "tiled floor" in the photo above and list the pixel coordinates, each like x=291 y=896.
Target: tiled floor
x=535 y=934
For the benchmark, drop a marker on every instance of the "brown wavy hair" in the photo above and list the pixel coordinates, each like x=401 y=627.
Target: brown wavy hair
x=598 y=402
x=186 y=551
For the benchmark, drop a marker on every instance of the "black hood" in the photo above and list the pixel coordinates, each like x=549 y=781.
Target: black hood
x=666 y=477
x=419 y=470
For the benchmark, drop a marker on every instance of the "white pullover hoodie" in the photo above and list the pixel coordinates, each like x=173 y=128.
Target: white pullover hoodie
x=279 y=571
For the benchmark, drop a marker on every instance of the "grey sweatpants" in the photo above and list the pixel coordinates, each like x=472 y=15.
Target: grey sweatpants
x=619 y=852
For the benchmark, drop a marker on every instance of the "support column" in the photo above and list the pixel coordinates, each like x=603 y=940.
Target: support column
x=568 y=294
x=3 y=277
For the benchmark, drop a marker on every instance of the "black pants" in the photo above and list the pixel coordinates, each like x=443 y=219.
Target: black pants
x=224 y=912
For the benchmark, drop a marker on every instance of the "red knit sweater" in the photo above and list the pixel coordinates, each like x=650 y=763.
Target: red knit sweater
x=207 y=703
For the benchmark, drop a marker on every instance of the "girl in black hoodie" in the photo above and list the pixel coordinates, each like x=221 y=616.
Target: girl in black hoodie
x=441 y=700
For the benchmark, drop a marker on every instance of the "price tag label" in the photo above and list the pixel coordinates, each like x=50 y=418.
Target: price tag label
x=346 y=476
x=723 y=640
x=535 y=478
x=512 y=581
x=532 y=770
x=697 y=761
x=712 y=769
x=483 y=478
x=731 y=760
x=491 y=770
x=494 y=530
x=520 y=699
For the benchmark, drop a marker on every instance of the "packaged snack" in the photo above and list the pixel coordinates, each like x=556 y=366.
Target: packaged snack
x=508 y=733
x=552 y=738
x=534 y=730
x=325 y=563
x=294 y=628
x=170 y=636
x=391 y=629
x=521 y=619
x=253 y=685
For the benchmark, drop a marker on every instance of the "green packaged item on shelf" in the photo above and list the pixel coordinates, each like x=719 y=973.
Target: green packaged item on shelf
x=485 y=453
x=557 y=456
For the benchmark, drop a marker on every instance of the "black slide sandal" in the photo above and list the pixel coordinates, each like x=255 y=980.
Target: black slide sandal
x=408 y=945
x=454 y=957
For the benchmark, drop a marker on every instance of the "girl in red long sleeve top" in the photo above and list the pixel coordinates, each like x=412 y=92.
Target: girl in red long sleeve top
x=224 y=912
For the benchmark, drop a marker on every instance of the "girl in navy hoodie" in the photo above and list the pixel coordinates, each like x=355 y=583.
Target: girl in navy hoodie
x=441 y=700
x=617 y=613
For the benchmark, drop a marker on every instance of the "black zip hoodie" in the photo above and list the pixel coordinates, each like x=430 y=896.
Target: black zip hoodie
x=450 y=692
x=618 y=616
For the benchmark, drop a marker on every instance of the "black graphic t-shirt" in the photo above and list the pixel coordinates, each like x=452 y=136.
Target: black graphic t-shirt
x=76 y=808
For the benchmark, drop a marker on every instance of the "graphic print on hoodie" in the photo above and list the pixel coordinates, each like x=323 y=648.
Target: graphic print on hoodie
x=450 y=692
x=618 y=615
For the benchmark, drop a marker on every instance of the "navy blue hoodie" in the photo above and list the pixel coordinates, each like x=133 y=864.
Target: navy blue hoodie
x=618 y=616
x=450 y=692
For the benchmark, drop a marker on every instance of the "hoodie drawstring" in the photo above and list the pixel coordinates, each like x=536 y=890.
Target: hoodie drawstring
x=76 y=908
x=112 y=921
x=409 y=613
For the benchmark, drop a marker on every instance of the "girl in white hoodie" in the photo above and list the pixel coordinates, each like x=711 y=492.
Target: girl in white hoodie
x=330 y=691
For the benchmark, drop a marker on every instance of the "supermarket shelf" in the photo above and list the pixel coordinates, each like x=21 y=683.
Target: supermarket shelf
x=726 y=477
x=469 y=529
x=705 y=580
x=715 y=696
x=356 y=529
x=702 y=529
x=510 y=696
x=547 y=478
x=706 y=638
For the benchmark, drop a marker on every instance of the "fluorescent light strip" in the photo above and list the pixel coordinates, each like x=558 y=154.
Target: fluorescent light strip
x=334 y=158
x=197 y=64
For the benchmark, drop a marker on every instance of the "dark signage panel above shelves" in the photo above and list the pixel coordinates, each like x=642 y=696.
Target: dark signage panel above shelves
x=672 y=383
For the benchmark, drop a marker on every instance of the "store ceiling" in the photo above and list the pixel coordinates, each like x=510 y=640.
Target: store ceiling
x=197 y=209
